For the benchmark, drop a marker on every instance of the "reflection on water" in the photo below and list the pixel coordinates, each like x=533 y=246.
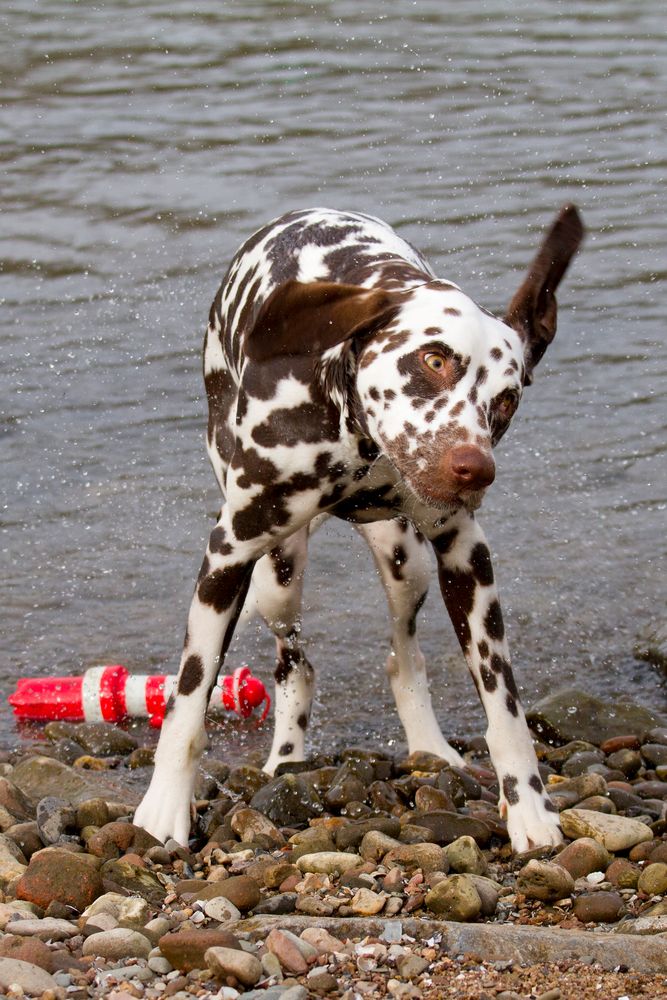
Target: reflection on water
x=141 y=145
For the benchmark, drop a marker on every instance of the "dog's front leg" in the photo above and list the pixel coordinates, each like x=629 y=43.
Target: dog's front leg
x=468 y=588
x=219 y=595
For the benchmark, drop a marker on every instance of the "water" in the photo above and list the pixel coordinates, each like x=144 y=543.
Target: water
x=142 y=144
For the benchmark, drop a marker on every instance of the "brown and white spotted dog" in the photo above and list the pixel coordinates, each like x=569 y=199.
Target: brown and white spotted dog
x=344 y=378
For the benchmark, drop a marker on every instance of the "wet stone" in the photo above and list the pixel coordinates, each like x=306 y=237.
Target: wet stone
x=616 y=833
x=579 y=763
x=623 y=873
x=449 y=826
x=583 y=856
x=284 y=902
x=56 y=819
x=465 y=857
x=626 y=760
x=287 y=801
x=544 y=881
x=455 y=898
x=351 y=835
x=72 y=879
x=186 y=947
x=598 y=907
x=134 y=879
x=653 y=879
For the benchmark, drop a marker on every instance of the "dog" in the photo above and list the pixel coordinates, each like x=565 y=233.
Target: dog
x=344 y=378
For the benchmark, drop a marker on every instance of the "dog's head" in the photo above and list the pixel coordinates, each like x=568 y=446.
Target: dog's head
x=437 y=379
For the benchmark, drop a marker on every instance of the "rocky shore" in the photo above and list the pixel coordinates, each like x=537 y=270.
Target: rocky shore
x=352 y=875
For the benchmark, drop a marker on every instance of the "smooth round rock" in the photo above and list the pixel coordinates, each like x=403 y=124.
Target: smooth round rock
x=465 y=857
x=455 y=898
x=545 y=881
x=221 y=909
x=72 y=879
x=616 y=833
x=623 y=873
x=185 y=948
x=583 y=856
x=428 y=857
x=328 y=862
x=241 y=890
x=653 y=880
x=598 y=907
x=118 y=943
x=32 y=980
x=225 y=962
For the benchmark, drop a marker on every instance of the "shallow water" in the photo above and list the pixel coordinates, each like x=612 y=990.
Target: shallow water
x=142 y=145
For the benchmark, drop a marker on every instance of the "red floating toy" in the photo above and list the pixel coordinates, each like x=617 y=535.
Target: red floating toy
x=112 y=693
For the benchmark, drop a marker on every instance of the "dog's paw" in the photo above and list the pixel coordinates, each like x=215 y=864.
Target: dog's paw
x=164 y=811
x=531 y=824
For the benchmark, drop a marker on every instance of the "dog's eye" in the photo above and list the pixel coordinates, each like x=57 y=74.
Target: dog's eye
x=435 y=361
x=507 y=403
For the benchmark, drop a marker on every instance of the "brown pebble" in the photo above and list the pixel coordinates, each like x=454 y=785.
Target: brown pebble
x=629 y=742
x=598 y=907
x=623 y=873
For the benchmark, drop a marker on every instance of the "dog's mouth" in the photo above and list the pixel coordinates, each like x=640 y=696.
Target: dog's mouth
x=470 y=500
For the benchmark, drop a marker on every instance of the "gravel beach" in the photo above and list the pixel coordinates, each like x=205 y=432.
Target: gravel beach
x=352 y=875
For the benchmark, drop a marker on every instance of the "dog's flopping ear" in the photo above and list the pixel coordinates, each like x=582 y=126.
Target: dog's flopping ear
x=532 y=311
x=301 y=318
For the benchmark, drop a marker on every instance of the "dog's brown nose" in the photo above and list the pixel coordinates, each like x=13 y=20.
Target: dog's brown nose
x=472 y=468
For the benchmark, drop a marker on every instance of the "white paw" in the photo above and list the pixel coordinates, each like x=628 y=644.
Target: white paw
x=164 y=810
x=530 y=823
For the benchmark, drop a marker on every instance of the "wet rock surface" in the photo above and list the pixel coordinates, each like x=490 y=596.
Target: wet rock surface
x=354 y=876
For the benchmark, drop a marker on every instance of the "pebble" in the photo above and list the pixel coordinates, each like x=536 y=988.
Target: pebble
x=653 y=879
x=544 y=881
x=465 y=857
x=455 y=898
x=185 y=948
x=57 y=874
x=233 y=962
x=287 y=951
x=118 y=943
x=328 y=862
x=221 y=909
x=616 y=833
x=415 y=843
x=30 y=978
x=583 y=856
x=598 y=907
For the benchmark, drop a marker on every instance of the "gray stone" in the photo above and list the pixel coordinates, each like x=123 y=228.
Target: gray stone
x=118 y=943
x=287 y=800
x=616 y=833
x=12 y=861
x=328 y=862
x=571 y=713
x=33 y=980
x=221 y=909
x=46 y=929
x=37 y=777
x=233 y=962
x=496 y=942
x=56 y=818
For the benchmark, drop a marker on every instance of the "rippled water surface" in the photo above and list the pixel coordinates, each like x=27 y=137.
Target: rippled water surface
x=142 y=143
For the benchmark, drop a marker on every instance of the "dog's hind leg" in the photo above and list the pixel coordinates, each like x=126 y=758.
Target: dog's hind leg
x=277 y=585
x=403 y=562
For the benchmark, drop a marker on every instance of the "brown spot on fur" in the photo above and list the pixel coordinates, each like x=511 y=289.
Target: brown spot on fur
x=191 y=675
